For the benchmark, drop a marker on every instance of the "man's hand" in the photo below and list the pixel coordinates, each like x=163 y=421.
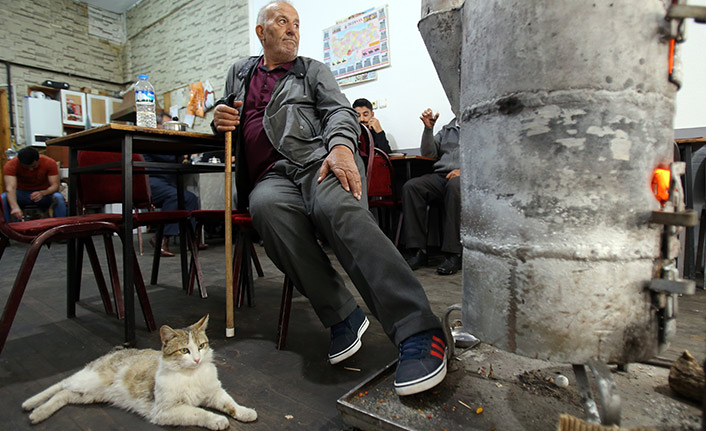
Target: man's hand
x=36 y=196
x=429 y=118
x=17 y=212
x=453 y=174
x=341 y=162
x=227 y=118
x=374 y=124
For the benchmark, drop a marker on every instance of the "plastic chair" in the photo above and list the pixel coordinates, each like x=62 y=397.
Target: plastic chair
x=48 y=230
x=102 y=189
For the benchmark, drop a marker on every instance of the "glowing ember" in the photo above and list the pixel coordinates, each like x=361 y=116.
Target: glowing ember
x=660 y=185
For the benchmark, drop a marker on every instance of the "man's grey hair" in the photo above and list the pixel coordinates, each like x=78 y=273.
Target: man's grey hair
x=261 y=14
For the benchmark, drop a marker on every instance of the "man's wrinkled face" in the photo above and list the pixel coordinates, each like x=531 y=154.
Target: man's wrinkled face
x=279 y=34
x=364 y=114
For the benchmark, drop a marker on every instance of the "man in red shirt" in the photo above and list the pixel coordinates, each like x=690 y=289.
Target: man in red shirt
x=31 y=179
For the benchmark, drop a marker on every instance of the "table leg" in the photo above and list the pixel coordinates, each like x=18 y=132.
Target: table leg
x=182 y=234
x=128 y=249
x=71 y=249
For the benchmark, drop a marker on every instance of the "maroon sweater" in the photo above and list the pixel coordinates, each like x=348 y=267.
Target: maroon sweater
x=260 y=155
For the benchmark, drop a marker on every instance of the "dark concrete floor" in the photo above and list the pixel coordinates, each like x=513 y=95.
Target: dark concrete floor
x=291 y=389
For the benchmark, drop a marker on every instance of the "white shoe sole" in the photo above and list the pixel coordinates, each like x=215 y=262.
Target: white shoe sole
x=353 y=348
x=422 y=384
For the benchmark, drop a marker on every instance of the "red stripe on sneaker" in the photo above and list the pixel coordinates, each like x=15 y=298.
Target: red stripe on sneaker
x=438 y=347
x=440 y=341
x=435 y=348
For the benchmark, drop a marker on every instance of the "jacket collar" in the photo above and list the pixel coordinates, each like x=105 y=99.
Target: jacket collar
x=298 y=69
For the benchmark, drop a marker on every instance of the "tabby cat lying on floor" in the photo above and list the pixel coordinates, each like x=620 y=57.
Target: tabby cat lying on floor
x=165 y=387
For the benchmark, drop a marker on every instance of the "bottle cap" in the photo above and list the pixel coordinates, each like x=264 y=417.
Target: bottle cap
x=143 y=77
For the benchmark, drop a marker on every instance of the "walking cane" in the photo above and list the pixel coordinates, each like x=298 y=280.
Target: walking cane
x=230 y=324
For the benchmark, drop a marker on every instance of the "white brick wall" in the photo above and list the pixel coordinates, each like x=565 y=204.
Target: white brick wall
x=176 y=43
x=183 y=42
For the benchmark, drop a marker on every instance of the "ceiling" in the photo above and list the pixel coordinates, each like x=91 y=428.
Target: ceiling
x=117 y=6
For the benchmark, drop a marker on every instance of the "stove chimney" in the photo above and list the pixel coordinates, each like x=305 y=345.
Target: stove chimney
x=566 y=111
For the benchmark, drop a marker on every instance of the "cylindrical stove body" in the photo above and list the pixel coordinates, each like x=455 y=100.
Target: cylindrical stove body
x=566 y=110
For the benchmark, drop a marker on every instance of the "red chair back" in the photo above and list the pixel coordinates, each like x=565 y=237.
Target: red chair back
x=366 y=140
x=101 y=189
x=380 y=175
x=379 y=169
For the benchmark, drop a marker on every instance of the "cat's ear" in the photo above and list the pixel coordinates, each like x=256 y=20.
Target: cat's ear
x=166 y=333
x=201 y=324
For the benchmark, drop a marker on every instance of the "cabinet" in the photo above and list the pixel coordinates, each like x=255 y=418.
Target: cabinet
x=80 y=107
x=100 y=108
x=42 y=120
x=60 y=154
x=77 y=108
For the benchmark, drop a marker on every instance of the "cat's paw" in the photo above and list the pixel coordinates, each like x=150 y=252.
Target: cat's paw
x=33 y=402
x=244 y=414
x=218 y=422
x=37 y=416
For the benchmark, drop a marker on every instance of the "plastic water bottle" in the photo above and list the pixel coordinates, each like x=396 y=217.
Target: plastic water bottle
x=145 y=103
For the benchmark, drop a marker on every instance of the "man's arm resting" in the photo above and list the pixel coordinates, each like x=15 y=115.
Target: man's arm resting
x=11 y=190
x=53 y=187
x=341 y=162
x=54 y=184
x=341 y=140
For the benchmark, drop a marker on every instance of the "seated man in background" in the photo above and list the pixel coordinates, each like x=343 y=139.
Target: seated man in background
x=443 y=185
x=366 y=117
x=31 y=179
x=164 y=193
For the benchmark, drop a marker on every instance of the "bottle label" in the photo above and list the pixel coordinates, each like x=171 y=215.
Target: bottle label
x=142 y=96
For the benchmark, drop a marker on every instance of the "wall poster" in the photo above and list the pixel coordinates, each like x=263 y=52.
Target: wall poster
x=358 y=44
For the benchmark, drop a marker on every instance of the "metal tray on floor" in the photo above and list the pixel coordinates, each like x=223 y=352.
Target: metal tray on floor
x=374 y=405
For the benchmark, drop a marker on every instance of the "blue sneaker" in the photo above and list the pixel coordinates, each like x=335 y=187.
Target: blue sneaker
x=346 y=335
x=422 y=362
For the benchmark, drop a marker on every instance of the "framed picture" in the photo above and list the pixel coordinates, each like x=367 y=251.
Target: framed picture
x=73 y=107
x=98 y=106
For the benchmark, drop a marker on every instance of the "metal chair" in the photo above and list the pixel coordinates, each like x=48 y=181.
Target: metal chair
x=245 y=251
x=243 y=285
x=98 y=190
x=46 y=231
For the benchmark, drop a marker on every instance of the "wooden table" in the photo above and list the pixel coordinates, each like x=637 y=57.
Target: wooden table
x=413 y=166
x=128 y=140
x=409 y=166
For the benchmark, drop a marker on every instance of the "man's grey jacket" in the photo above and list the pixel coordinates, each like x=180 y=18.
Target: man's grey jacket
x=306 y=117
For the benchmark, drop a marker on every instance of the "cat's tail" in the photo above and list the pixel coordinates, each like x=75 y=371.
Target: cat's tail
x=41 y=397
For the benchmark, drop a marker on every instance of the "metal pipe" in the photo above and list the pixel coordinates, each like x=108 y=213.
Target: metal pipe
x=10 y=103
x=69 y=74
